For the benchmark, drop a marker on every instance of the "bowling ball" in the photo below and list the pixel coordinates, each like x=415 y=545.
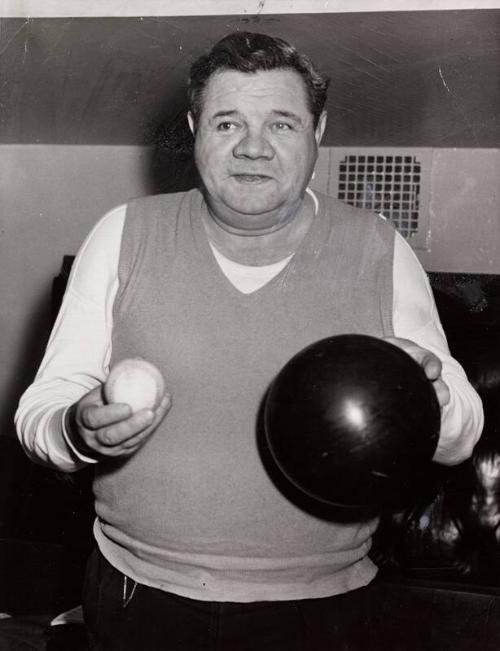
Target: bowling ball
x=353 y=422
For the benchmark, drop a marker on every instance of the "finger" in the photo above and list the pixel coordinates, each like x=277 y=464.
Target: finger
x=163 y=407
x=135 y=442
x=118 y=433
x=126 y=437
x=425 y=358
x=160 y=414
x=442 y=392
x=96 y=417
x=432 y=366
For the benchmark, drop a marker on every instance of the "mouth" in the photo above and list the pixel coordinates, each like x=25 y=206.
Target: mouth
x=251 y=178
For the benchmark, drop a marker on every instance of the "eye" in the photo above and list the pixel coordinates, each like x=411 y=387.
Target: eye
x=282 y=126
x=226 y=126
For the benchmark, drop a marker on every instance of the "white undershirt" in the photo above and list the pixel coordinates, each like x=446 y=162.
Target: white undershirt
x=79 y=349
x=246 y=278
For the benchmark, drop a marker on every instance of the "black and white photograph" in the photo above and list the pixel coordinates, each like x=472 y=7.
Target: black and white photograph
x=250 y=325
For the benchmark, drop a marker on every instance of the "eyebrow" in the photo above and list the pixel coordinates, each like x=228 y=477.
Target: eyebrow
x=275 y=112
x=223 y=114
x=289 y=115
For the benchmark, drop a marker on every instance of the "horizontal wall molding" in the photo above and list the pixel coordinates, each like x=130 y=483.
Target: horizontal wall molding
x=122 y=8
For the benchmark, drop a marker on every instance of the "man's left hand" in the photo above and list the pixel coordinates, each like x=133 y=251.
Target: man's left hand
x=431 y=364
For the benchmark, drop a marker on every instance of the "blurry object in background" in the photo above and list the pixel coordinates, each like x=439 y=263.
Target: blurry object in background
x=456 y=535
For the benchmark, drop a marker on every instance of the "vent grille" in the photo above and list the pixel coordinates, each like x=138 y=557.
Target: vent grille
x=387 y=184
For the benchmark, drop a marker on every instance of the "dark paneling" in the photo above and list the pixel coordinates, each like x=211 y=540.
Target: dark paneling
x=398 y=79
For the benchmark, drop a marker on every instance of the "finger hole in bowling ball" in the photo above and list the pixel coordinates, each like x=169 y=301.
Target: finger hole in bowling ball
x=351 y=423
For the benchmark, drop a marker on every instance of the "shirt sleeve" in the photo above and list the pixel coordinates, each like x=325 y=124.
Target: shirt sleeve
x=78 y=352
x=415 y=317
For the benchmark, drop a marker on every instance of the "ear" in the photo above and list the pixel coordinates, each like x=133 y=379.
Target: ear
x=191 y=122
x=320 y=129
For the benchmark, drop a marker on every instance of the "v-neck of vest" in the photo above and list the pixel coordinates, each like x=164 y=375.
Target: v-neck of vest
x=311 y=240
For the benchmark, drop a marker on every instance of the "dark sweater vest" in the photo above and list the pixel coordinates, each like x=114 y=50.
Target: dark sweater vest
x=194 y=511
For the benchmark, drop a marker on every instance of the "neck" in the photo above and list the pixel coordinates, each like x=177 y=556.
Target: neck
x=261 y=247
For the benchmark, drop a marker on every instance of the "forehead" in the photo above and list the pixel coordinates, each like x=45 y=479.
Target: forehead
x=265 y=90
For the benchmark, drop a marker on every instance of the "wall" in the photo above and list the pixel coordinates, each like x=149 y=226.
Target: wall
x=51 y=196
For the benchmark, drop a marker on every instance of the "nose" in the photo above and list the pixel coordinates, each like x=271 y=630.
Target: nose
x=253 y=145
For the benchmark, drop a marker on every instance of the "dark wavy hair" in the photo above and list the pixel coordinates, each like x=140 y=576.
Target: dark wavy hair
x=251 y=52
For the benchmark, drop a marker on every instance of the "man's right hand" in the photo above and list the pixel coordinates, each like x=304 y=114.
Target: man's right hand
x=99 y=430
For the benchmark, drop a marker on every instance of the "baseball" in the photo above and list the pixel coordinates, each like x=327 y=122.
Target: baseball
x=135 y=382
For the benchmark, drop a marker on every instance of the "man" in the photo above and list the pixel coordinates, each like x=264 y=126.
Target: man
x=197 y=548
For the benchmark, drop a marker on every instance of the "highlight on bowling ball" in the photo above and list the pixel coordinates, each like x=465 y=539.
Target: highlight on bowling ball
x=353 y=422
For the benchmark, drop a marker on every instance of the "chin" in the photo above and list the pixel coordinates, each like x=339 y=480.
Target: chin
x=250 y=224
x=252 y=206
x=254 y=210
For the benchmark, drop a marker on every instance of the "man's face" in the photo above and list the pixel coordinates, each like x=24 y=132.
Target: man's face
x=255 y=147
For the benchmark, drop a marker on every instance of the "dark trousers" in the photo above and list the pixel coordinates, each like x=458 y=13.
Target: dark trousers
x=124 y=616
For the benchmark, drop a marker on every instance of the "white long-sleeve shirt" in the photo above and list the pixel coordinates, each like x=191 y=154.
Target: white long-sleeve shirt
x=79 y=349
